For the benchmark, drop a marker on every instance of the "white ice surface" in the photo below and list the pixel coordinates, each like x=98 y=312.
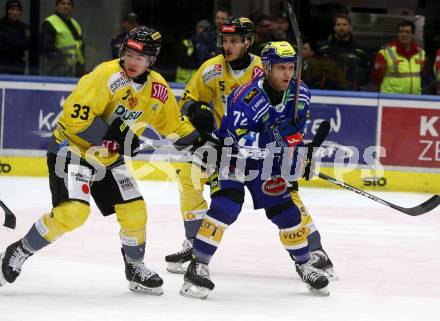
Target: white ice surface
x=388 y=263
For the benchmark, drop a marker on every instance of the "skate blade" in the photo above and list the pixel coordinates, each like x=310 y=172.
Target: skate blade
x=177 y=268
x=136 y=287
x=193 y=291
x=2 y=278
x=319 y=292
x=331 y=275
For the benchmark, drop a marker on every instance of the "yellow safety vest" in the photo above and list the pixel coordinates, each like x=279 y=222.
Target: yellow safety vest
x=183 y=75
x=402 y=75
x=64 y=39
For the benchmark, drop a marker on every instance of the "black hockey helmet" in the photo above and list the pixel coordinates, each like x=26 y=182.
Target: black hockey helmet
x=241 y=26
x=144 y=40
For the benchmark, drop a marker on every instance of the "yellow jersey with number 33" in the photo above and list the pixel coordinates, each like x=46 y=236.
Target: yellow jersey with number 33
x=107 y=93
x=215 y=80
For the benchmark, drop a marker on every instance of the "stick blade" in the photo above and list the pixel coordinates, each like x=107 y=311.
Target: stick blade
x=10 y=220
x=423 y=208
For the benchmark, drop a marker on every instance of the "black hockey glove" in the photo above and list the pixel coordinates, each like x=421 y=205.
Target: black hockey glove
x=200 y=115
x=120 y=135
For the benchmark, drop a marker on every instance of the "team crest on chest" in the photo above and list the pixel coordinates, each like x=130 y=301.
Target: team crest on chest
x=132 y=102
x=159 y=91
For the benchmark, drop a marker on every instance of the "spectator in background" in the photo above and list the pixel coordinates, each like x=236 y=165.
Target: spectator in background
x=263 y=34
x=194 y=51
x=280 y=28
x=15 y=37
x=320 y=72
x=342 y=48
x=437 y=72
x=129 y=22
x=398 y=66
x=62 y=45
x=220 y=16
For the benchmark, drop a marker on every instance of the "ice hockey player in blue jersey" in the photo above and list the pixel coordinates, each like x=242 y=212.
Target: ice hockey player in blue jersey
x=259 y=125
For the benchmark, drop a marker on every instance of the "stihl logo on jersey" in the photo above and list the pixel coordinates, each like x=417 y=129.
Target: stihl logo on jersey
x=257 y=72
x=294 y=139
x=135 y=45
x=228 y=28
x=159 y=91
x=274 y=186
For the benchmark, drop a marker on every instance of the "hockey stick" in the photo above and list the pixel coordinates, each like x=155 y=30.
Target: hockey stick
x=152 y=145
x=421 y=209
x=10 y=219
x=289 y=7
x=321 y=134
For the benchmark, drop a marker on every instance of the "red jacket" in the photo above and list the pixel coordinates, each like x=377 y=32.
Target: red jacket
x=437 y=65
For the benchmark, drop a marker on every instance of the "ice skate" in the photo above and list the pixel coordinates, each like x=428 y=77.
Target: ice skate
x=197 y=283
x=12 y=261
x=321 y=261
x=175 y=262
x=315 y=279
x=141 y=279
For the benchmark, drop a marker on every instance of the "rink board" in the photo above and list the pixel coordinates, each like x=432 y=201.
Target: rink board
x=407 y=127
x=392 y=180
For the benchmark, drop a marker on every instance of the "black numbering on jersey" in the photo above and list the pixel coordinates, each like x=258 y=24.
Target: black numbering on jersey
x=185 y=94
x=126 y=95
x=80 y=111
x=221 y=83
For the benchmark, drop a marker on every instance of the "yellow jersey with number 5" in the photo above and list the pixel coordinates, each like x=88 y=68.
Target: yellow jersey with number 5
x=107 y=93
x=215 y=80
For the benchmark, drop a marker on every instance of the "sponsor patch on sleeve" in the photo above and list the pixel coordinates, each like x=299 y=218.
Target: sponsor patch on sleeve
x=159 y=91
x=117 y=81
x=240 y=90
x=212 y=72
x=250 y=95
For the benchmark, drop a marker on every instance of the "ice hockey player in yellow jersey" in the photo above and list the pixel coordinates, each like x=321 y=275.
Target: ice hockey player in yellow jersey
x=210 y=86
x=101 y=121
x=204 y=102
